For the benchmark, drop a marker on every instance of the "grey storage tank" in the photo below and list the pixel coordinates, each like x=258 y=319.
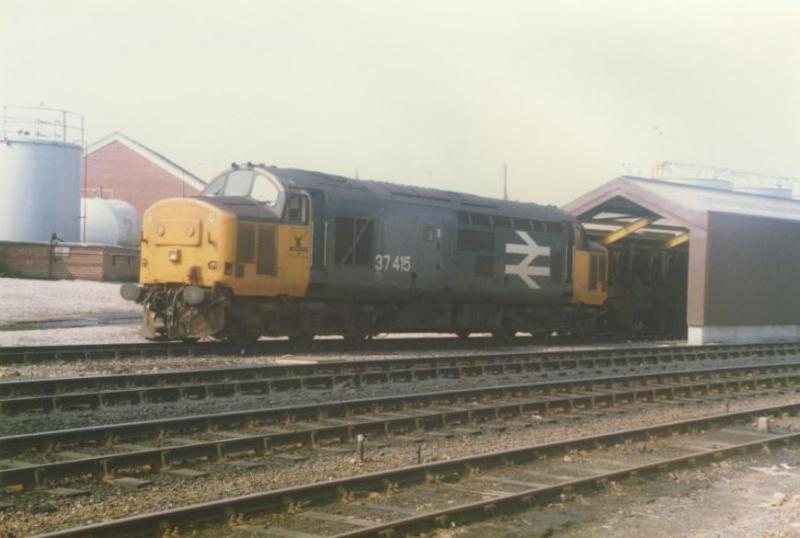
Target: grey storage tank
x=40 y=174
x=110 y=222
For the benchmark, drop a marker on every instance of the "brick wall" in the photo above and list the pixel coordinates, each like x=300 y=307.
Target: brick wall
x=69 y=261
x=124 y=174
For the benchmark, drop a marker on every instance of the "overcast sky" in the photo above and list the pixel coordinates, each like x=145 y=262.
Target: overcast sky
x=433 y=92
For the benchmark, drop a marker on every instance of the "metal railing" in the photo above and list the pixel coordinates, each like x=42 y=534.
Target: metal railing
x=42 y=123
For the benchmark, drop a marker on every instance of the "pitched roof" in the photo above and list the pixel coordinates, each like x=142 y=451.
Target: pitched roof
x=151 y=155
x=682 y=202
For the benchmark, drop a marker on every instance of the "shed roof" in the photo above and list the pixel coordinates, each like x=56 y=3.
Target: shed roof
x=684 y=203
x=151 y=155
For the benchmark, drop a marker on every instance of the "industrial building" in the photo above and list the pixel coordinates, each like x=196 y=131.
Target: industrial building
x=719 y=261
x=70 y=214
x=120 y=167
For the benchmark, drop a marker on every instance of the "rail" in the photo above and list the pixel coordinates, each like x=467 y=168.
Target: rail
x=344 y=496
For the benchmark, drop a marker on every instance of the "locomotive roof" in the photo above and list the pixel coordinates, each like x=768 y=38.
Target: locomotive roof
x=340 y=187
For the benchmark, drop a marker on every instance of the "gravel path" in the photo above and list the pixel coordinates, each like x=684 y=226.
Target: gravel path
x=28 y=300
x=33 y=512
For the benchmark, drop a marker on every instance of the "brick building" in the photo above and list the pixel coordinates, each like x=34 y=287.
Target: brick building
x=68 y=260
x=119 y=167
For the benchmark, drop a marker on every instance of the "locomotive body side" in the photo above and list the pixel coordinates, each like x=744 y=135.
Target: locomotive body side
x=329 y=255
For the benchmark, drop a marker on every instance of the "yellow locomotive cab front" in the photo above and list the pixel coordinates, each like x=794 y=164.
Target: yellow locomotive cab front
x=205 y=259
x=186 y=241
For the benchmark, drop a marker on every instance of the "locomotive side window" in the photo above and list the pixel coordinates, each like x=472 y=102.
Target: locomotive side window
x=265 y=262
x=538 y=226
x=297 y=209
x=354 y=241
x=463 y=218
x=245 y=243
x=474 y=241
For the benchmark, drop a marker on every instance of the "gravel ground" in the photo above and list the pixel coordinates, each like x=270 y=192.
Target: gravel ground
x=29 y=300
x=161 y=364
x=84 y=335
x=33 y=512
x=26 y=423
x=757 y=495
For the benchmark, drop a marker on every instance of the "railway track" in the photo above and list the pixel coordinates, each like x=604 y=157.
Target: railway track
x=431 y=496
x=38 y=460
x=52 y=394
x=34 y=354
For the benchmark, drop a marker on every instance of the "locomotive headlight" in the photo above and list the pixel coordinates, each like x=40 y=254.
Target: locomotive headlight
x=194 y=295
x=174 y=255
x=212 y=265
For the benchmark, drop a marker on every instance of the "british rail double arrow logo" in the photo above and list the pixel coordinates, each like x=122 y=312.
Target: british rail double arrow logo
x=524 y=269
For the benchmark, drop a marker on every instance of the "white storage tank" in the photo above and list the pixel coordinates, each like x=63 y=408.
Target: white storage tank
x=40 y=175
x=111 y=222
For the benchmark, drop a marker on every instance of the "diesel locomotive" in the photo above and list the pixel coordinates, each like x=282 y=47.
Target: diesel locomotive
x=266 y=251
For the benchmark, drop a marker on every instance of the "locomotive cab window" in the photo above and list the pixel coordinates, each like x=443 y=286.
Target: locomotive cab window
x=245 y=184
x=264 y=191
x=297 y=209
x=239 y=182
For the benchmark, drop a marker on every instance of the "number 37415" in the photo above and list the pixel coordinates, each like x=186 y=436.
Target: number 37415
x=389 y=262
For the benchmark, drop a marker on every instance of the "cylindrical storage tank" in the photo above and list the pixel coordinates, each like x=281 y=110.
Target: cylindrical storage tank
x=40 y=190
x=111 y=222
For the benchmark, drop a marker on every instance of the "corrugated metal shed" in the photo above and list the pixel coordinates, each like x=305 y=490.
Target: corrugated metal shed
x=744 y=252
